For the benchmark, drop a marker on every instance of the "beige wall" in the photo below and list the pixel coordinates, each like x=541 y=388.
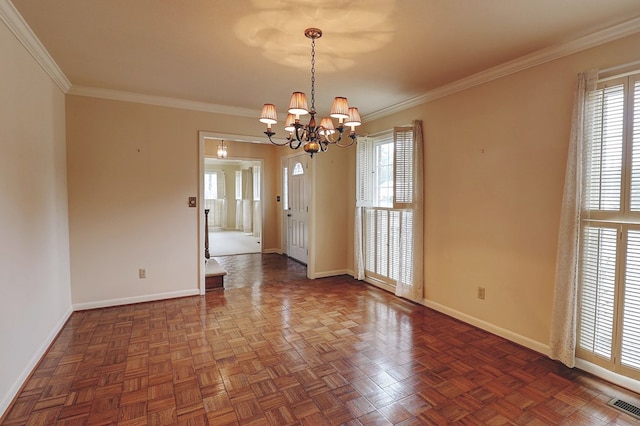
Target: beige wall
x=330 y=216
x=495 y=161
x=34 y=247
x=131 y=170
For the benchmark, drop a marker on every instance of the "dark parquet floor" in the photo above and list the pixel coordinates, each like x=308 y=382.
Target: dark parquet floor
x=275 y=348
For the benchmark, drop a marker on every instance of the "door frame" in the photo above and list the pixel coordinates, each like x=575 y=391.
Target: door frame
x=299 y=158
x=311 y=196
x=202 y=137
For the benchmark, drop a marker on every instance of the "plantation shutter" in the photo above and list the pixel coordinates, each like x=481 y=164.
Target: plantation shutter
x=370 y=239
x=635 y=165
x=364 y=173
x=606 y=150
x=630 y=350
x=609 y=308
x=403 y=167
x=597 y=292
x=382 y=242
x=630 y=345
x=394 y=244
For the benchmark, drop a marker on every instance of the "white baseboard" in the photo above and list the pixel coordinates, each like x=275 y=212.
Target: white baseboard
x=596 y=370
x=380 y=284
x=491 y=328
x=484 y=325
x=33 y=362
x=325 y=274
x=136 y=299
x=610 y=376
x=272 y=250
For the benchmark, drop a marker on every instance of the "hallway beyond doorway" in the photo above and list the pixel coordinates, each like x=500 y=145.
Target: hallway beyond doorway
x=225 y=243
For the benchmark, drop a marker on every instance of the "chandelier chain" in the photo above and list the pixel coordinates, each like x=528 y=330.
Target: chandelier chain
x=313 y=74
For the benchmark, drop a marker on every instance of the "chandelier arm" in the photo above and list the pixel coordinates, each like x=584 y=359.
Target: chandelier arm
x=270 y=135
x=334 y=140
x=354 y=139
x=293 y=144
x=300 y=136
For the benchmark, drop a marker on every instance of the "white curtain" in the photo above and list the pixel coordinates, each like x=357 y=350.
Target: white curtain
x=358 y=258
x=247 y=200
x=239 y=215
x=562 y=343
x=411 y=271
x=215 y=199
x=257 y=218
x=363 y=199
x=217 y=213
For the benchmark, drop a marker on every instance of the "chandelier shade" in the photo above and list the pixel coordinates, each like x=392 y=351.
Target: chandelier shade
x=353 y=119
x=298 y=104
x=340 y=108
x=289 y=123
x=269 y=115
x=326 y=126
x=313 y=138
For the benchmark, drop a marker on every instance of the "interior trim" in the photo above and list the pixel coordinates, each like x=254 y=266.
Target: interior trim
x=135 y=299
x=491 y=328
x=603 y=373
x=120 y=95
x=17 y=25
x=10 y=394
x=14 y=21
x=511 y=67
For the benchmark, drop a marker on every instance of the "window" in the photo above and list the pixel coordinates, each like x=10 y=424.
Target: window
x=214 y=197
x=210 y=186
x=609 y=307
x=384 y=193
x=384 y=173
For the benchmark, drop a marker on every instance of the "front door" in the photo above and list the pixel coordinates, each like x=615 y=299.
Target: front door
x=297 y=238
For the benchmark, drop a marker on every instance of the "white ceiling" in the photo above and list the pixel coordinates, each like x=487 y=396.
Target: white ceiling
x=243 y=53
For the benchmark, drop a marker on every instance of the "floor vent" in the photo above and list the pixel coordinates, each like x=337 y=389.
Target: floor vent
x=624 y=406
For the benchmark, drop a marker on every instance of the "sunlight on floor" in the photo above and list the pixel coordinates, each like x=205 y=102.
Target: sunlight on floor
x=224 y=243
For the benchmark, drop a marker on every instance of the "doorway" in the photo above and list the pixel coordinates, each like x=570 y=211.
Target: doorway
x=232 y=198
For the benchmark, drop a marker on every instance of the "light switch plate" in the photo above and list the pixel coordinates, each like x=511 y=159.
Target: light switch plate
x=192 y=202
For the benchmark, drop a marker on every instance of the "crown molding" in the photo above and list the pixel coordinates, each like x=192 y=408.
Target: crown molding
x=120 y=95
x=233 y=137
x=17 y=25
x=522 y=63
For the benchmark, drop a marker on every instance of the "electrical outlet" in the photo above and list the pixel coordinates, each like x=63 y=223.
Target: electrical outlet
x=481 y=293
x=142 y=273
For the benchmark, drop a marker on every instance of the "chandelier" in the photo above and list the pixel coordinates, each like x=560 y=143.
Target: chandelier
x=222 y=150
x=312 y=137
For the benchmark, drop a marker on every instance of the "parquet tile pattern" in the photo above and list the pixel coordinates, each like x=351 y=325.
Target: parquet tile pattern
x=298 y=352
